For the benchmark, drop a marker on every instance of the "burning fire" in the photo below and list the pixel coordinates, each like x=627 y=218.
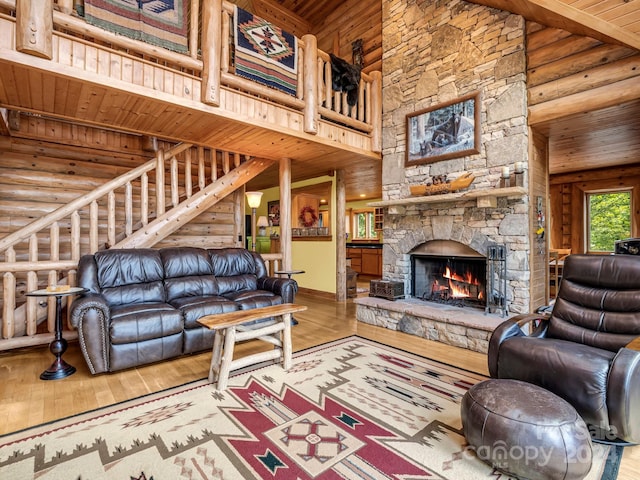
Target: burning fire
x=466 y=278
x=459 y=285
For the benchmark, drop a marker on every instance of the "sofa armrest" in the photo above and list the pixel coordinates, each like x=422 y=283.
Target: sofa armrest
x=285 y=287
x=623 y=395
x=513 y=328
x=91 y=316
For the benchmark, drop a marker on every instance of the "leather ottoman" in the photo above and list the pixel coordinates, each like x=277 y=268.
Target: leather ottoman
x=525 y=430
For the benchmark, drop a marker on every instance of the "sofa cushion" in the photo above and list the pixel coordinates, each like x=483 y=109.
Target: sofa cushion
x=129 y=355
x=185 y=262
x=130 y=275
x=229 y=262
x=143 y=321
x=152 y=292
x=193 y=308
x=562 y=367
x=188 y=272
x=249 y=299
x=236 y=283
x=191 y=286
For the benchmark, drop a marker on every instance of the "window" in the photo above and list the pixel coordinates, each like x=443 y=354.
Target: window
x=608 y=219
x=363 y=225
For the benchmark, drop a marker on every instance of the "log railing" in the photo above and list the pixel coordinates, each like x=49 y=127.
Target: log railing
x=211 y=29
x=273 y=262
x=100 y=219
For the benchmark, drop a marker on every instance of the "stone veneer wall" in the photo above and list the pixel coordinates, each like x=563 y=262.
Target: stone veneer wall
x=437 y=51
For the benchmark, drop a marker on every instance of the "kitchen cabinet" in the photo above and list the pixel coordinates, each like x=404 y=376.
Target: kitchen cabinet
x=366 y=261
x=355 y=254
x=371 y=261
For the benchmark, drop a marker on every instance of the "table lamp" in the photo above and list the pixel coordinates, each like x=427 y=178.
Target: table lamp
x=263 y=223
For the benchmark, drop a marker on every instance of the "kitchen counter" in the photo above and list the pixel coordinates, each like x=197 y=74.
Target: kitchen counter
x=364 y=245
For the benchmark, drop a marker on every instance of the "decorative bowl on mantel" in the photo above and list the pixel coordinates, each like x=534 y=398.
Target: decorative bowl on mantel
x=463 y=181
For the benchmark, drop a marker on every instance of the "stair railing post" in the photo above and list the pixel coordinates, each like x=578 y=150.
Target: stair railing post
x=160 y=182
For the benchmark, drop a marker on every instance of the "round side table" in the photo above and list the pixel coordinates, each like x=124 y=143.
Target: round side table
x=59 y=368
x=288 y=273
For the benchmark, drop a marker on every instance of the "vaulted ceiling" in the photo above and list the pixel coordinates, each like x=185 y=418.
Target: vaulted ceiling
x=609 y=21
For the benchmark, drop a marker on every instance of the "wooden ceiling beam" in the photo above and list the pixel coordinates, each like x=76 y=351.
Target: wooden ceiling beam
x=557 y=14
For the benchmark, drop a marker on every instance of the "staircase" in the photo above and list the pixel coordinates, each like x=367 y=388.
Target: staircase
x=130 y=211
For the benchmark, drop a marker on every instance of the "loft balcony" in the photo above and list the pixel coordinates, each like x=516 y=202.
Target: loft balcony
x=71 y=70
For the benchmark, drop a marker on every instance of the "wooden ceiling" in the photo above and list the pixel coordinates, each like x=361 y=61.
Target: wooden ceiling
x=610 y=21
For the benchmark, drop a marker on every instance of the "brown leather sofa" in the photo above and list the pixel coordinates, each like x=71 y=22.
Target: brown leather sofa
x=578 y=352
x=142 y=305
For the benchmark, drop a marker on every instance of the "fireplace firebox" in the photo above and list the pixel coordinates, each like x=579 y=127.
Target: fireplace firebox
x=450 y=280
x=446 y=271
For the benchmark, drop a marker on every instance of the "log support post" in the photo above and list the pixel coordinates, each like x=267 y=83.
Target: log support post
x=34 y=27
x=211 y=51
x=341 y=246
x=310 y=84
x=285 y=213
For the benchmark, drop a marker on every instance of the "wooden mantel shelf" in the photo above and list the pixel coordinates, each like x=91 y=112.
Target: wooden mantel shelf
x=486 y=197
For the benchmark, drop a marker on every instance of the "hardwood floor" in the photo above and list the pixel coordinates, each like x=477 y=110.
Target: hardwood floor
x=26 y=400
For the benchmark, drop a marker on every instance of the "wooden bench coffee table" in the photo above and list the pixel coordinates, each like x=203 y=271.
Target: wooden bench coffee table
x=230 y=329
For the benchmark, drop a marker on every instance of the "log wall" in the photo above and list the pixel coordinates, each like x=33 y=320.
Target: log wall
x=352 y=20
x=538 y=188
x=560 y=64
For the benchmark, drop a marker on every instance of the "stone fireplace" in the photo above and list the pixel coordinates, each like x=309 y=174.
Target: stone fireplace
x=444 y=57
x=436 y=52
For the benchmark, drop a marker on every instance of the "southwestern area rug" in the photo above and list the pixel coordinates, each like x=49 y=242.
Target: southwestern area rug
x=350 y=409
x=159 y=22
x=265 y=53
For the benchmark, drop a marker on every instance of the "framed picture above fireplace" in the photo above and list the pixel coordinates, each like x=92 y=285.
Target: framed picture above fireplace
x=444 y=131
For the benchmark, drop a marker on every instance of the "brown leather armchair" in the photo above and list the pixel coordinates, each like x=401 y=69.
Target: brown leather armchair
x=579 y=351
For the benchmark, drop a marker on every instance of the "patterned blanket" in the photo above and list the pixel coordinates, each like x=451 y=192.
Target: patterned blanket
x=158 y=22
x=265 y=53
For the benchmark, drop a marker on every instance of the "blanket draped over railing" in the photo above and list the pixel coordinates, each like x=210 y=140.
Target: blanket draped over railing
x=265 y=53
x=158 y=22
